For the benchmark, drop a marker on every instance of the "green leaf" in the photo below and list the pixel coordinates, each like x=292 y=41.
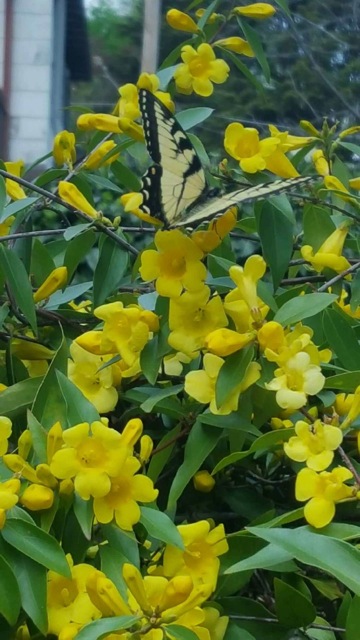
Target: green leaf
x=2 y=197
x=36 y=544
x=264 y=442
x=9 y=593
x=77 y=249
x=169 y=406
x=343 y=381
x=70 y=293
x=284 y=6
x=165 y=448
x=112 y=264
x=31 y=581
x=293 y=609
x=234 y=421
x=268 y=557
x=123 y=541
x=150 y=360
x=179 y=632
x=41 y=262
x=19 y=285
x=255 y=43
x=353 y=620
x=78 y=408
x=38 y=436
x=276 y=236
x=336 y=557
x=342 y=339
x=83 y=511
x=102 y=628
x=15 y=400
x=355 y=292
x=242 y=68
x=318 y=225
x=232 y=372
x=14 y=208
x=102 y=183
x=201 y=441
x=125 y=176
x=191 y=117
x=160 y=394
x=160 y=527
x=49 y=405
x=303 y=307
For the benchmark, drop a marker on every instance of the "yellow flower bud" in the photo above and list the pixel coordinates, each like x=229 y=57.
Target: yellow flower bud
x=18 y=465
x=64 y=151
x=151 y=319
x=258 y=10
x=13 y=189
x=23 y=633
x=45 y=476
x=26 y=350
x=54 y=440
x=349 y=132
x=213 y=17
x=354 y=183
x=91 y=341
x=71 y=194
x=223 y=342
x=134 y=581
x=96 y=158
x=181 y=21
x=309 y=128
x=176 y=591
x=236 y=44
x=133 y=130
x=320 y=162
x=5 y=226
x=25 y=443
x=146 y=447
x=55 y=280
x=132 y=432
x=203 y=481
x=37 y=497
x=66 y=487
x=99 y=121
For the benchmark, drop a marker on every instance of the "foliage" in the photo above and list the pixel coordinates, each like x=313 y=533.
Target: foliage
x=178 y=424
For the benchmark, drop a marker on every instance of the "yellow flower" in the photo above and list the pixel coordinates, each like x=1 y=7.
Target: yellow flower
x=201 y=384
x=37 y=497
x=128 y=105
x=223 y=342
x=151 y=82
x=127 y=489
x=320 y=163
x=132 y=129
x=200 y=560
x=242 y=304
x=215 y=624
x=5 y=226
x=203 y=481
x=69 y=607
x=279 y=345
x=258 y=10
x=96 y=381
x=126 y=330
x=64 y=151
x=322 y=490
x=19 y=466
x=9 y=491
x=175 y=265
x=289 y=142
x=199 y=70
x=295 y=380
x=354 y=183
x=96 y=158
x=131 y=203
x=25 y=443
x=213 y=17
x=344 y=304
x=181 y=21
x=253 y=154
x=82 y=307
x=192 y=316
x=72 y=195
x=99 y=121
x=92 y=454
x=5 y=433
x=349 y=132
x=13 y=189
x=329 y=254
x=354 y=409
x=212 y=237
x=332 y=183
x=56 y=280
x=236 y=44
x=26 y=350
x=314 y=444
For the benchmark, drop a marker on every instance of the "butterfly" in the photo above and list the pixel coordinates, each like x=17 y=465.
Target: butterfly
x=174 y=188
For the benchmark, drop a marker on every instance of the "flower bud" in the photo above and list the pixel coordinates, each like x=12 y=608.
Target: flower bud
x=181 y=21
x=37 y=497
x=257 y=11
x=55 y=280
x=73 y=196
x=203 y=481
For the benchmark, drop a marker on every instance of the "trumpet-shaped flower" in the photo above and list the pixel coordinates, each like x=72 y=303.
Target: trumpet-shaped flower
x=92 y=454
x=329 y=254
x=332 y=183
x=314 y=444
x=345 y=305
x=73 y=196
x=126 y=330
x=13 y=189
x=127 y=489
x=242 y=304
x=99 y=121
x=244 y=145
x=257 y=10
x=201 y=385
x=56 y=280
x=322 y=490
x=5 y=433
x=236 y=44
x=68 y=605
x=223 y=342
x=200 y=560
x=288 y=142
x=181 y=21
x=199 y=70
x=297 y=379
x=96 y=381
x=64 y=151
x=176 y=265
x=131 y=203
x=320 y=163
x=192 y=316
x=97 y=158
x=9 y=496
x=207 y=240
x=279 y=344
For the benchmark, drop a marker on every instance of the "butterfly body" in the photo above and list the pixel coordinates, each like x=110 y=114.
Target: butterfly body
x=174 y=188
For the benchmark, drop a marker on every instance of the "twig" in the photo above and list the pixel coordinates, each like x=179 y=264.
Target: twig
x=340 y=276
x=276 y=621
x=346 y=460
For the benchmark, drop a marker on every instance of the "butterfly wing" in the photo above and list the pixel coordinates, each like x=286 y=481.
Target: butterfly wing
x=176 y=180
x=216 y=206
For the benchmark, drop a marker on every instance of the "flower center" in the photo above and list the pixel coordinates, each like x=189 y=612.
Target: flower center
x=198 y=67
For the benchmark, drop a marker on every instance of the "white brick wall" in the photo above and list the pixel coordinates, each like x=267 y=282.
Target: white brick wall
x=30 y=95
x=2 y=28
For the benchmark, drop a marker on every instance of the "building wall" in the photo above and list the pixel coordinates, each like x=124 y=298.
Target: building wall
x=2 y=40
x=31 y=83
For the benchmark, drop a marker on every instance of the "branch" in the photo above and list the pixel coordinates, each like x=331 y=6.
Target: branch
x=340 y=276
